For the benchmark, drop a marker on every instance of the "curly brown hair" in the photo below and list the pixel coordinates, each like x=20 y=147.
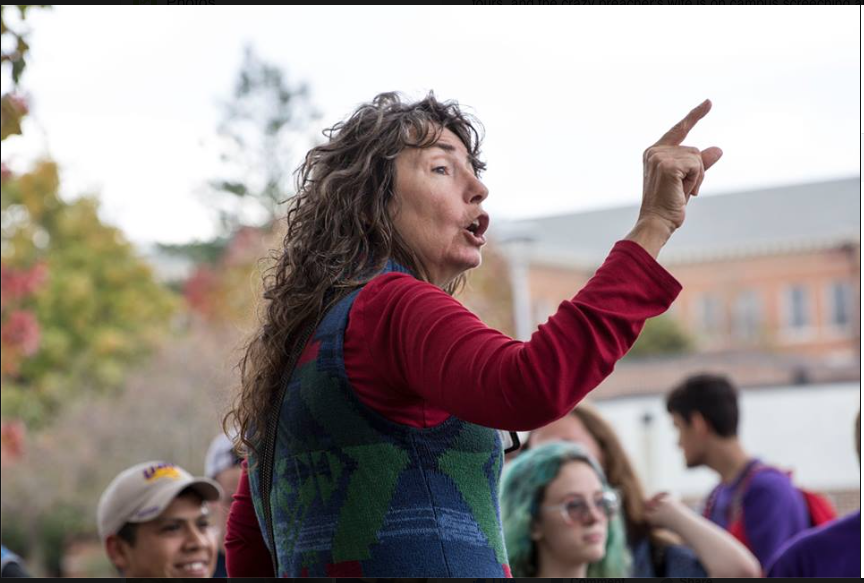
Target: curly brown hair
x=340 y=234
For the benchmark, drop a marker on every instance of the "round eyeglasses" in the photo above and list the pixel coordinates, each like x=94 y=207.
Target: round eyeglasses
x=578 y=509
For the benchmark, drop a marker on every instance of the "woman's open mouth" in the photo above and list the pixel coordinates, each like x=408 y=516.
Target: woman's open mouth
x=476 y=230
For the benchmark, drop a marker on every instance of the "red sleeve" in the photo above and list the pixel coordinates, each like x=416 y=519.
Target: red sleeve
x=420 y=343
x=246 y=553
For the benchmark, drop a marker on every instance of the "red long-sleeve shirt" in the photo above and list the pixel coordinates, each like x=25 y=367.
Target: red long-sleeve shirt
x=417 y=356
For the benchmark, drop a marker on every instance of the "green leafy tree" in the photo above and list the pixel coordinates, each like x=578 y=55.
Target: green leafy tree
x=14 y=53
x=263 y=131
x=169 y=409
x=99 y=308
x=264 y=126
x=661 y=336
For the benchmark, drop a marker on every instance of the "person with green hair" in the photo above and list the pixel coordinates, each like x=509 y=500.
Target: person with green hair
x=560 y=516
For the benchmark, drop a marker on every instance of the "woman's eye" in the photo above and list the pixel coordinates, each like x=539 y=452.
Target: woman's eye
x=440 y=169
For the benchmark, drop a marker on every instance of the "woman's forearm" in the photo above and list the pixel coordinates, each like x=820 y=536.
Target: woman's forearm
x=718 y=551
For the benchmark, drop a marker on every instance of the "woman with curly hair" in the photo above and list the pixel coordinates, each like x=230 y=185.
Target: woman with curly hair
x=561 y=517
x=370 y=398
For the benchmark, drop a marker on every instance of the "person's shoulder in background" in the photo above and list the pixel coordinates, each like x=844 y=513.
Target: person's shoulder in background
x=830 y=550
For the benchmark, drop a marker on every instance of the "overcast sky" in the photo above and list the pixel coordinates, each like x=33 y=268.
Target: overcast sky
x=126 y=98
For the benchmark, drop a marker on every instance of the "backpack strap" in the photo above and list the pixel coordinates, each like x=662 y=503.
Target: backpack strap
x=737 y=496
x=736 y=508
x=710 y=502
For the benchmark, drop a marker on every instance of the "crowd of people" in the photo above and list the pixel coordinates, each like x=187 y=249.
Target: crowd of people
x=572 y=506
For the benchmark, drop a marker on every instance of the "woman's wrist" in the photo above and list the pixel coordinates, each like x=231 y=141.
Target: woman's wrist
x=651 y=233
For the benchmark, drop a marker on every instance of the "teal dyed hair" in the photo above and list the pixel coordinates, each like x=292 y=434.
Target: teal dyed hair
x=522 y=491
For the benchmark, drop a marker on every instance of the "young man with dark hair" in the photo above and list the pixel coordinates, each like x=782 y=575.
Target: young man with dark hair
x=154 y=521
x=758 y=504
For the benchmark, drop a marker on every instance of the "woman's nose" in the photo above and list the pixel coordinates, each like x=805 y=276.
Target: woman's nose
x=479 y=192
x=593 y=515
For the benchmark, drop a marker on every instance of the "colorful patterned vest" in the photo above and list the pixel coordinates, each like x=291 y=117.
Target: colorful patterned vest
x=355 y=494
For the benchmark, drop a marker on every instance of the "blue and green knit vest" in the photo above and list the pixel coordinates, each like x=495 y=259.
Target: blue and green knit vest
x=356 y=494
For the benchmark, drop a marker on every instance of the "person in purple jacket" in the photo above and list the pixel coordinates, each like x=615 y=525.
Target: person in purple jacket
x=831 y=550
x=757 y=504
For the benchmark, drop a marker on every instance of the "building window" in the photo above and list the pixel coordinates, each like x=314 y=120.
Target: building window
x=710 y=315
x=747 y=320
x=797 y=307
x=840 y=304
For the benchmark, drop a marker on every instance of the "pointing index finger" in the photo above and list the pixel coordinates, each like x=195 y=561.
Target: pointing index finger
x=680 y=130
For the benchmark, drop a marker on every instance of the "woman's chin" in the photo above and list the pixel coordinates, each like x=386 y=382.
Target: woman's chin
x=464 y=263
x=597 y=552
x=474 y=259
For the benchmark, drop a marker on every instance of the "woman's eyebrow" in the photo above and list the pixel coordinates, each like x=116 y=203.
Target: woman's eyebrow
x=583 y=494
x=450 y=150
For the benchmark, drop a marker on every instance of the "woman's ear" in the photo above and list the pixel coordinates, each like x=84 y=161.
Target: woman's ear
x=536 y=531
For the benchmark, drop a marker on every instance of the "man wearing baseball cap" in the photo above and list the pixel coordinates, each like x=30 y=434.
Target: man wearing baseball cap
x=154 y=522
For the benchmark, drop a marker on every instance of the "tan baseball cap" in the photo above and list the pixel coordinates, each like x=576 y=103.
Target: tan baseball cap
x=142 y=492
